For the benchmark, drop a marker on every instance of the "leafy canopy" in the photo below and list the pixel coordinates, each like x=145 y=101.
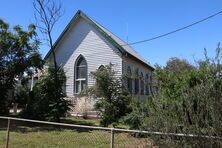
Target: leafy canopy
x=189 y=101
x=18 y=54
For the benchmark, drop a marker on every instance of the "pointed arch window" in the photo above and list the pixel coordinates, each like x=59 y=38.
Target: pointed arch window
x=136 y=86
x=147 y=84
x=101 y=67
x=80 y=74
x=141 y=84
x=129 y=80
x=151 y=83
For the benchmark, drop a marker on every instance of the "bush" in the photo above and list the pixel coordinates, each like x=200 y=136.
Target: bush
x=189 y=102
x=47 y=101
x=141 y=110
x=18 y=55
x=113 y=98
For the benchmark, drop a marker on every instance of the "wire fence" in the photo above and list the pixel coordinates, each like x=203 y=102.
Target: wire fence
x=20 y=133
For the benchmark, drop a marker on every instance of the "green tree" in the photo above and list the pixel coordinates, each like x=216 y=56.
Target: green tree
x=177 y=65
x=113 y=98
x=47 y=13
x=189 y=102
x=190 y=97
x=18 y=54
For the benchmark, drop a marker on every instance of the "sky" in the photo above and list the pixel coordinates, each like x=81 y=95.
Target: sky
x=138 y=20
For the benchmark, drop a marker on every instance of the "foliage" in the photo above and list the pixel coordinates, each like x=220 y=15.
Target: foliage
x=18 y=53
x=191 y=99
x=21 y=92
x=189 y=102
x=113 y=98
x=177 y=65
x=141 y=110
x=48 y=99
x=49 y=88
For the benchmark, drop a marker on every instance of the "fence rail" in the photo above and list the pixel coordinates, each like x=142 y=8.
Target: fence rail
x=106 y=137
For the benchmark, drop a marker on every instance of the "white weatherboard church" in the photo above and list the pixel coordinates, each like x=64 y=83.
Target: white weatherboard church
x=83 y=47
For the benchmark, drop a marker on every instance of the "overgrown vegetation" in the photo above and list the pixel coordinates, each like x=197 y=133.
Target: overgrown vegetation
x=137 y=118
x=189 y=101
x=47 y=101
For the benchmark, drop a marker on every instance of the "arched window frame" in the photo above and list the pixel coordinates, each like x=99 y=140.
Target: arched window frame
x=147 y=84
x=141 y=84
x=82 y=82
x=151 y=83
x=101 y=67
x=129 y=79
x=136 y=84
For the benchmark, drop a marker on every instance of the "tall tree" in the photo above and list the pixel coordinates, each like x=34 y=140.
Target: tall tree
x=50 y=87
x=47 y=13
x=176 y=65
x=18 y=53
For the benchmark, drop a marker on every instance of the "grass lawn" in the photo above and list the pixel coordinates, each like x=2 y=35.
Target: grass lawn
x=90 y=122
x=50 y=137
x=81 y=121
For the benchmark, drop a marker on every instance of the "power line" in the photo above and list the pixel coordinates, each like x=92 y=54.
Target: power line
x=174 y=31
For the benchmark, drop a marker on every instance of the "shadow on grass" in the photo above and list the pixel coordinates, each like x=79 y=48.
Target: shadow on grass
x=78 y=122
x=25 y=127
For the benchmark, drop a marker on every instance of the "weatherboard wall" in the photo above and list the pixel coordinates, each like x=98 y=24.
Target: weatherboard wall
x=82 y=39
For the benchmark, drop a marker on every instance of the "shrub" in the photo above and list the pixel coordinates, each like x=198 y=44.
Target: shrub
x=47 y=101
x=189 y=102
x=113 y=98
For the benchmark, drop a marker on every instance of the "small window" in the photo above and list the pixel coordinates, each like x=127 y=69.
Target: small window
x=80 y=74
x=141 y=84
x=129 y=80
x=137 y=81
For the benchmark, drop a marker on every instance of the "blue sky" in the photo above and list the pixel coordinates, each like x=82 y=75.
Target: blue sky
x=144 y=18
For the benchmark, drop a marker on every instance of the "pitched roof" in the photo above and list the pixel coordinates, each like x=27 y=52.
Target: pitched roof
x=123 y=47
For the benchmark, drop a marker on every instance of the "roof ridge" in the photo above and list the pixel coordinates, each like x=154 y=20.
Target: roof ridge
x=108 y=32
x=111 y=37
